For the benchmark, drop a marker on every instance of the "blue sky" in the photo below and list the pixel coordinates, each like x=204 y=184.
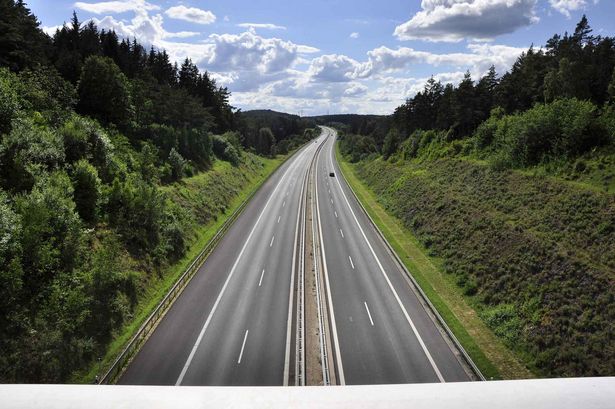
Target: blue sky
x=350 y=56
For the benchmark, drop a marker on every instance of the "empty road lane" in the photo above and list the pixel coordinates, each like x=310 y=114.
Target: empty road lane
x=383 y=332
x=230 y=326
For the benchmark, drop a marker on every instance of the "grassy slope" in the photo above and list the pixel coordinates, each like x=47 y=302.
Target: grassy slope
x=529 y=255
x=210 y=197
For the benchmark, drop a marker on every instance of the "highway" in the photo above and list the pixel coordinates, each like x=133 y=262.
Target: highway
x=382 y=332
x=231 y=324
x=235 y=322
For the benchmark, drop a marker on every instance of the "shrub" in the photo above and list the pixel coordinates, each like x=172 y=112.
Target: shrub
x=177 y=163
x=104 y=92
x=26 y=150
x=10 y=102
x=564 y=128
x=87 y=190
x=225 y=150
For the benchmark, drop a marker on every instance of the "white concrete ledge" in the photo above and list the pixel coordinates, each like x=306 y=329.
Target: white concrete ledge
x=585 y=393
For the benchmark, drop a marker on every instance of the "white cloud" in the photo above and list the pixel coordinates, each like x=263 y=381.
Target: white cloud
x=51 y=30
x=478 y=60
x=566 y=6
x=455 y=20
x=267 y=26
x=116 y=6
x=191 y=14
x=249 y=51
x=355 y=89
x=354 y=35
x=148 y=29
x=334 y=68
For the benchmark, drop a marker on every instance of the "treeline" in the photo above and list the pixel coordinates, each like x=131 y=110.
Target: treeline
x=269 y=132
x=553 y=103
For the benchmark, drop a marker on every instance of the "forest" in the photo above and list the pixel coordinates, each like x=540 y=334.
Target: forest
x=95 y=133
x=508 y=184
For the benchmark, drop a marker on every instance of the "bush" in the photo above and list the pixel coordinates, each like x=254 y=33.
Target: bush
x=486 y=131
x=357 y=147
x=27 y=150
x=223 y=149
x=136 y=210
x=177 y=163
x=84 y=139
x=564 y=128
x=10 y=102
x=87 y=190
x=104 y=92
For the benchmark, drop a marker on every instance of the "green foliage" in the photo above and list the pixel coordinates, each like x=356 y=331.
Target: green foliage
x=533 y=254
x=225 y=150
x=104 y=92
x=48 y=93
x=135 y=209
x=87 y=186
x=391 y=143
x=27 y=150
x=612 y=87
x=485 y=132
x=177 y=164
x=52 y=235
x=564 y=128
x=10 y=259
x=357 y=147
x=266 y=142
x=22 y=42
x=10 y=101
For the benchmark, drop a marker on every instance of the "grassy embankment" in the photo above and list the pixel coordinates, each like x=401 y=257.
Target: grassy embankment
x=516 y=262
x=210 y=197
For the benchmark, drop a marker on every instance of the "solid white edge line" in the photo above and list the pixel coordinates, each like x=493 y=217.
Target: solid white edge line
x=228 y=279
x=289 y=322
x=245 y=338
x=368 y=314
x=261 y=280
x=338 y=355
x=403 y=308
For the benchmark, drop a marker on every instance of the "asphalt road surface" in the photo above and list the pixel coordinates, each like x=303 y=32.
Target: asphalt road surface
x=383 y=332
x=230 y=324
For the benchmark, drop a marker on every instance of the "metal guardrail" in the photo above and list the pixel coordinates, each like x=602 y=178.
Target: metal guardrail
x=116 y=369
x=415 y=283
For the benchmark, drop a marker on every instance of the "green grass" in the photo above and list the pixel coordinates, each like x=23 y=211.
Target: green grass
x=159 y=286
x=490 y=355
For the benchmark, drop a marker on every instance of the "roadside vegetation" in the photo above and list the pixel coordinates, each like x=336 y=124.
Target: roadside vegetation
x=116 y=166
x=507 y=186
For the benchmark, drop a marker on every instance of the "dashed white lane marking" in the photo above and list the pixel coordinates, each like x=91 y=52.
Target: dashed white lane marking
x=368 y=314
x=245 y=337
x=284 y=204
x=272 y=239
x=342 y=233
x=279 y=217
x=261 y=280
x=351 y=263
x=335 y=214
